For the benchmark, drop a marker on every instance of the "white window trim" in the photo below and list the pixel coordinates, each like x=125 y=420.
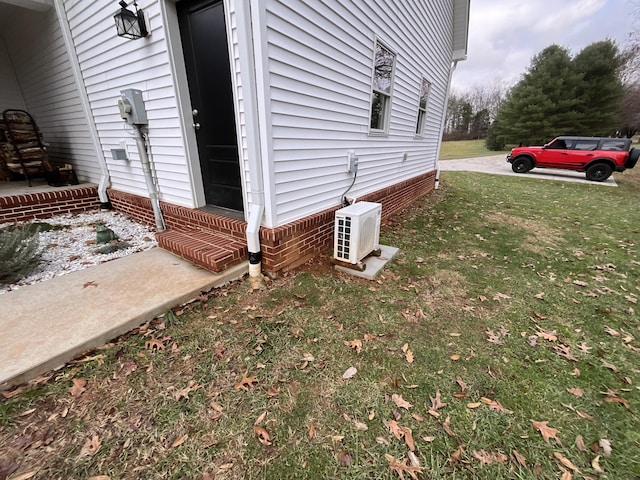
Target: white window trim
x=387 y=117
x=419 y=132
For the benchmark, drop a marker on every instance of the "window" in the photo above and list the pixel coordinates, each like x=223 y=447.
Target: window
x=383 y=63
x=614 y=144
x=585 y=144
x=557 y=144
x=422 y=107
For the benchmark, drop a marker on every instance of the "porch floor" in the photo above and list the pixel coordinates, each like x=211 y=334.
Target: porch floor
x=20 y=187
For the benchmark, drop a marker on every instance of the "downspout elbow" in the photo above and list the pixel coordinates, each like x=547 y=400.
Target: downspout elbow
x=253 y=240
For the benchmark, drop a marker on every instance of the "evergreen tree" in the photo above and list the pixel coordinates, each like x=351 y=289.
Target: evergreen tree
x=559 y=95
x=543 y=104
x=600 y=89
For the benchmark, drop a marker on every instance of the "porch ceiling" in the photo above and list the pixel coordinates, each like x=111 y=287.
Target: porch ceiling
x=41 y=5
x=9 y=8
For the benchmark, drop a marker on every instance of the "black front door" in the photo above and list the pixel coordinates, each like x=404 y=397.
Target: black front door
x=206 y=56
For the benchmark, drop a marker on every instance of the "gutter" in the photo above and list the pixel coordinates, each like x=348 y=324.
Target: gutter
x=105 y=181
x=454 y=64
x=256 y=197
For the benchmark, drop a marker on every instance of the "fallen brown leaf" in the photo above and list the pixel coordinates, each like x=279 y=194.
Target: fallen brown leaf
x=14 y=392
x=345 y=459
x=246 y=382
x=260 y=418
x=90 y=447
x=409 y=356
x=495 y=405
x=595 y=464
x=400 y=402
x=564 y=351
x=25 y=476
x=263 y=436
x=610 y=366
x=566 y=462
x=575 y=391
x=355 y=344
x=349 y=373
x=519 y=458
x=78 y=387
x=154 y=343
x=501 y=296
x=402 y=467
x=184 y=392
x=546 y=431
x=447 y=428
x=179 y=441
x=436 y=404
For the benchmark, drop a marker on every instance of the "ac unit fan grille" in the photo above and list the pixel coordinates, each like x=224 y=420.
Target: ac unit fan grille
x=344 y=237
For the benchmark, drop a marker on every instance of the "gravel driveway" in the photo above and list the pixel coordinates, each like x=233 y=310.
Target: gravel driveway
x=497 y=164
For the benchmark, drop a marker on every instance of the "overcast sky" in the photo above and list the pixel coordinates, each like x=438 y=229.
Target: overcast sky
x=505 y=34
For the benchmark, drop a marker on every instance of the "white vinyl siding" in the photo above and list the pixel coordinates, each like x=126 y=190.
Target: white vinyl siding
x=109 y=64
x=35 y=45
x=320 y=70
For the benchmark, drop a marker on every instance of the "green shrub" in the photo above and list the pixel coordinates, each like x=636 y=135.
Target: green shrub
x=19 y=254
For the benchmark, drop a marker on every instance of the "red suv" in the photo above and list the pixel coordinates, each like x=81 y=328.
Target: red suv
x=598 y=157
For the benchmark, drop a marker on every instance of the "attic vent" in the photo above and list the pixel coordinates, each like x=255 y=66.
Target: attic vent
x=357 y=231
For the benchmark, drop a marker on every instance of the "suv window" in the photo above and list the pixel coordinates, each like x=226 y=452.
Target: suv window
x=557 y=144
x=585 y=145
x=617 y=144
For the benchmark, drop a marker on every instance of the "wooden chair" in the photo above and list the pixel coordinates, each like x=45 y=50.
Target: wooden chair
x=22 y=149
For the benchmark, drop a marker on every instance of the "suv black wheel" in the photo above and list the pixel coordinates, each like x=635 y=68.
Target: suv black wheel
x=521 y=165
x=634 y=154
x=599 y=172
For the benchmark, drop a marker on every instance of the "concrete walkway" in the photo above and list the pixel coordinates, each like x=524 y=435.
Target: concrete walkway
x=45 y=325
x=497 y=164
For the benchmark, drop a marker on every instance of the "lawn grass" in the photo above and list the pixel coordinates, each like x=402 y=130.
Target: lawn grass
x=465 y=149
x=513 y=300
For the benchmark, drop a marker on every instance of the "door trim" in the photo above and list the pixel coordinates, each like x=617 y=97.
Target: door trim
x=183 y=98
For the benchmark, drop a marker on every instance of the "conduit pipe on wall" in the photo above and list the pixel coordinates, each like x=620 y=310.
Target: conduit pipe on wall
x=148 y=178
x=105 y=181
x=454 y=64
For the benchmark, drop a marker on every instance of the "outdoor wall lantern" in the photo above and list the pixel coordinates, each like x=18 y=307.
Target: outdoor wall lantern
x=130 y=25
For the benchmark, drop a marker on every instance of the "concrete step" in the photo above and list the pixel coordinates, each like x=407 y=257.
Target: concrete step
x=210 y=250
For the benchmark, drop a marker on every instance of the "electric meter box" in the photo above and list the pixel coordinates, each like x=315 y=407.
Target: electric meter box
x=138 y=114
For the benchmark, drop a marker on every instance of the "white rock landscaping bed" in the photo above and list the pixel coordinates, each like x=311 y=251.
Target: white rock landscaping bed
x=73 y=247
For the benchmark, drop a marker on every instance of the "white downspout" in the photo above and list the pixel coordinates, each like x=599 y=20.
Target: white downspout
x=105 y=181
x=454 y=64
x=256 y=193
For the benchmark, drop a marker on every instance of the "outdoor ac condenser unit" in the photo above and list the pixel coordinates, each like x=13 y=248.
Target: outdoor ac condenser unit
x=357 y=231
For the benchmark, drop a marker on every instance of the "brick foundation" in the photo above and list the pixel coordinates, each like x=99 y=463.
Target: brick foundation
x=28 y=206
x=283 y=248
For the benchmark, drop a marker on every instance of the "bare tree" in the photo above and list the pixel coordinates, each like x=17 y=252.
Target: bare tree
x=470 y=113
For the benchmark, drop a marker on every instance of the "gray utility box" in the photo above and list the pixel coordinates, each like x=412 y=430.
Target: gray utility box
x=138 y=114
